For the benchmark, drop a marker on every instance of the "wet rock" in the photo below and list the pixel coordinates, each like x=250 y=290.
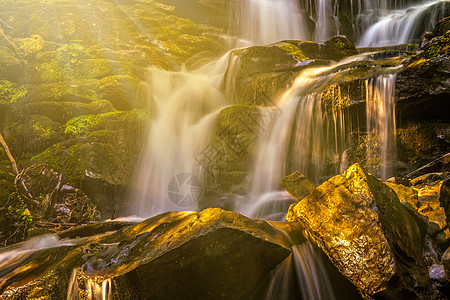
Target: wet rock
x=420 y=143
x=227 y=157
x=297 y=185
x=353 y=213
x=405 y=194
x=423 y=87
x=441 y=27
x=444 y=198
x=262 y=72
x=213 y=254
x=441 y=164
x=446 y=263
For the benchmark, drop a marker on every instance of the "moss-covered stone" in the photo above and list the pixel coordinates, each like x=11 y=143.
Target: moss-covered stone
x=11 y=92
x=228 y=156
x=104 y=147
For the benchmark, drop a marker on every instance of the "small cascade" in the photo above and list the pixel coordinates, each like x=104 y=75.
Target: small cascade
x=93 y=290
x=302 y=275
x=268 y=21
x=403 y=25
x=325 y=13
x=380 y=111
x=184 y=107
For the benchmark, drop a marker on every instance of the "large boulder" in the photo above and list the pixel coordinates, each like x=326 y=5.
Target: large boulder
x=213 y=254
x=260 y=73
x=367 y=233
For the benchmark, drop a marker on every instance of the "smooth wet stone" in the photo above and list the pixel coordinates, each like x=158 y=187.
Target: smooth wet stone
x=297 y=185
x=361 y=225
x=213 y=254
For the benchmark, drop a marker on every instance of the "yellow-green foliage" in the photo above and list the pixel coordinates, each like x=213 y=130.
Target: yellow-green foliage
x=42 y=126
x=291 y=49
x=64 y=64
x=418 y=62
x=85 y=124
x=81 y=125
x=438 y=46
x=29 y=46
x=11 y=92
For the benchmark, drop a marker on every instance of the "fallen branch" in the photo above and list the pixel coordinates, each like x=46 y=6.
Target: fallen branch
x=8 y=153
x=10 y=43
x=5 y=24
x=14 y=163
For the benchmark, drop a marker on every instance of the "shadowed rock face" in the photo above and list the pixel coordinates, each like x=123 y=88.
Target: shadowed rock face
x=364 y=229
x=213 y=254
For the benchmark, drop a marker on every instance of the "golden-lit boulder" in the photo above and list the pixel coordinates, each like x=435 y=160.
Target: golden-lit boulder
x=213 y=254
x=361 y=225
x=405 y=193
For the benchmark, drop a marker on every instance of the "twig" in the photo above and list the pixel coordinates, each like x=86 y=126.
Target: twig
x=11 y=44
x=5 y=24
x=8 y=153
x=114 y=214
x=6 y=240
x=13 y=162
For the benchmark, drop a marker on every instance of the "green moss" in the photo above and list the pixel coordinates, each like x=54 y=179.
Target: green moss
x=85 y=124
x=29 y=46
x=291 y=49
x=11 y=92
x=438 y=46
x=43 y=126
x=81 y=125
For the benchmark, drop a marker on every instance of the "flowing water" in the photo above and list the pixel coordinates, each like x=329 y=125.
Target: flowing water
x=403 y=25
x=380 y=112
x=267 y=21
x=184 y=105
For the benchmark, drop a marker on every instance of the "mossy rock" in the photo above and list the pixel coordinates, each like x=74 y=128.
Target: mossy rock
x=423 y=87
x=76 y=91
x=11 y=92
x=103 y=148
x=11 y=67
x=262 y=72
x=121 y=91
x=228 y=156
x=64 y=111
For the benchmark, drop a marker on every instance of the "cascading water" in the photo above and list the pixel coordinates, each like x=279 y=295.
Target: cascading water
x=380 y=112
x=185 y=104
x=404 y=25
x=268 y=21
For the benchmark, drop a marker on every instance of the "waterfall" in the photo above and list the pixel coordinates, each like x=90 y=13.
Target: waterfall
x=184 y=105
x=306 y=265
x=380 y=111
x=403 y=25
x=268 y=21
x=300 y=136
